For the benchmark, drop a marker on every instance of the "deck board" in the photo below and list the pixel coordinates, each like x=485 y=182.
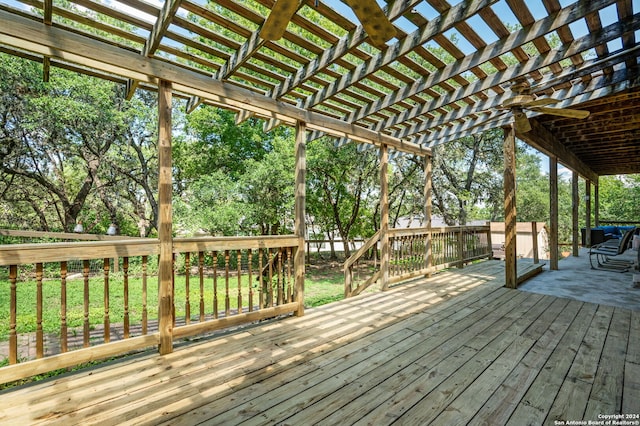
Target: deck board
x=456 y=348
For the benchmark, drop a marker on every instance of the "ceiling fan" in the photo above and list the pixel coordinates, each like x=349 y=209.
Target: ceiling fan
x=523 y=100
x=371 y=16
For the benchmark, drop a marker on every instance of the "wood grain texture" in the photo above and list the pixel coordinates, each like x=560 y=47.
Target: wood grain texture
x=457 y=348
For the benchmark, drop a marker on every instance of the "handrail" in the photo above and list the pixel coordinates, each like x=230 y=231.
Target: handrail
x=365 y=247
x=63 y=235
x=16 y=254
x=420 y=251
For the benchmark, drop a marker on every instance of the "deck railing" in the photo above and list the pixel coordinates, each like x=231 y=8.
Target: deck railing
x=64 y=319
x=415 y=252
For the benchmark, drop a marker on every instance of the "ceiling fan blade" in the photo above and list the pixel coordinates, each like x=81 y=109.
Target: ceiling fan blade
x=540 y=102
x=276 y=23
x=527 y=101
x=374 y=21
x=563 y=112
x=520 y=121
x=517 y=100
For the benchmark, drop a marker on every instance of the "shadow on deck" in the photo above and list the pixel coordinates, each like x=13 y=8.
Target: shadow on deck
x=455 y=348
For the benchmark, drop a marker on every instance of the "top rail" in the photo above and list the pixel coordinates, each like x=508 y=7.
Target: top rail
x=63 y=235
x=20 y=254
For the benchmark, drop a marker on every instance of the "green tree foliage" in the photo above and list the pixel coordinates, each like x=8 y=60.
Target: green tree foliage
x=341 y=183
x=467 y=175
x=214 y=142
x=532 y=195
x=620 y=197
x=55 y=136
x=233 y=179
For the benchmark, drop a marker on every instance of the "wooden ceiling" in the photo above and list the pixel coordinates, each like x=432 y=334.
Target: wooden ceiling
x=443 y=76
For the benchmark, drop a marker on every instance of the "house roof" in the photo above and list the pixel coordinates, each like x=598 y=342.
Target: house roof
x=443 y=76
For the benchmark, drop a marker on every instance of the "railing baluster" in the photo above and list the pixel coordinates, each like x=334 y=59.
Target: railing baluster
x=201 y=276
x=85 y=322
x=270 y=284
x=39 y=332
x=144 y=295
x=239 y=268
x=280 y=278
x=289 y=279
x=227 y=300
x=125 y=271
x=173 y=288
x=249 y=265
x=187 y=301
x=13 y=336
x=260 y=283
x=107 y=325
x=215 y=284
x=63 y=307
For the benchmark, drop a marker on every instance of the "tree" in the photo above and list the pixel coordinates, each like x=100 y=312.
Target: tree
x=532 y=196
x=234 y=179
x=55 y=136
x=341 y=181
x=213 y=142
x=467 y=174
x=620 y=197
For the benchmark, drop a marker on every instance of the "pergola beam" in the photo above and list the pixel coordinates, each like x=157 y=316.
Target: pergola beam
x=582 y=44
x=344 y=46
x=168 y=11
x=442 y=23
x=27 y=34
x=596 y=88
x=543 y=140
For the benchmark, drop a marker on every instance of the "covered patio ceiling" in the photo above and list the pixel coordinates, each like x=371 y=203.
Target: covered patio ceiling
x=443 y=76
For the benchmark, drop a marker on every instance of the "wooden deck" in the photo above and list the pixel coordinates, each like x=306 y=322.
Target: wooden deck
x=458 y=348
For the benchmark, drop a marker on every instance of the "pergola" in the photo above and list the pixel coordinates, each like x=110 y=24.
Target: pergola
x=421 y=90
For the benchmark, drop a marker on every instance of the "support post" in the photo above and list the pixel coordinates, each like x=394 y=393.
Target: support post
x=385 y=252
x=165 y=264
x=509 y=149
x=587 y=213
x=534 y=241
x=553 y=212
x=300 y=231
x=596 y=203
x=460 y=244
x=575 y=203
x=428 y=182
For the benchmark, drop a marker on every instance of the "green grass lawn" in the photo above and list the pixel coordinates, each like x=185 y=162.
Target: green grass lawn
x=323 y=284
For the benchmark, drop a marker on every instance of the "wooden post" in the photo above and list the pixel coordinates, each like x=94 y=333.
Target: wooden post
x=165 y=265
x=384 y=217
x=596 y=203
x=511 y=276
x=300 y=231
x=428 y=182
x=553 y=212
x=534 y=240
x=587 y=213
x=575 y=203
x=489 y=241
x=460 y=244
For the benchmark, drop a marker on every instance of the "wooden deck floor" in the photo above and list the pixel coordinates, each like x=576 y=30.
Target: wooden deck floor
x=455 y=349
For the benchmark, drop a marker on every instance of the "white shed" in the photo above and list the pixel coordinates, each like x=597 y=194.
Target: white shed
x=524 y=239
